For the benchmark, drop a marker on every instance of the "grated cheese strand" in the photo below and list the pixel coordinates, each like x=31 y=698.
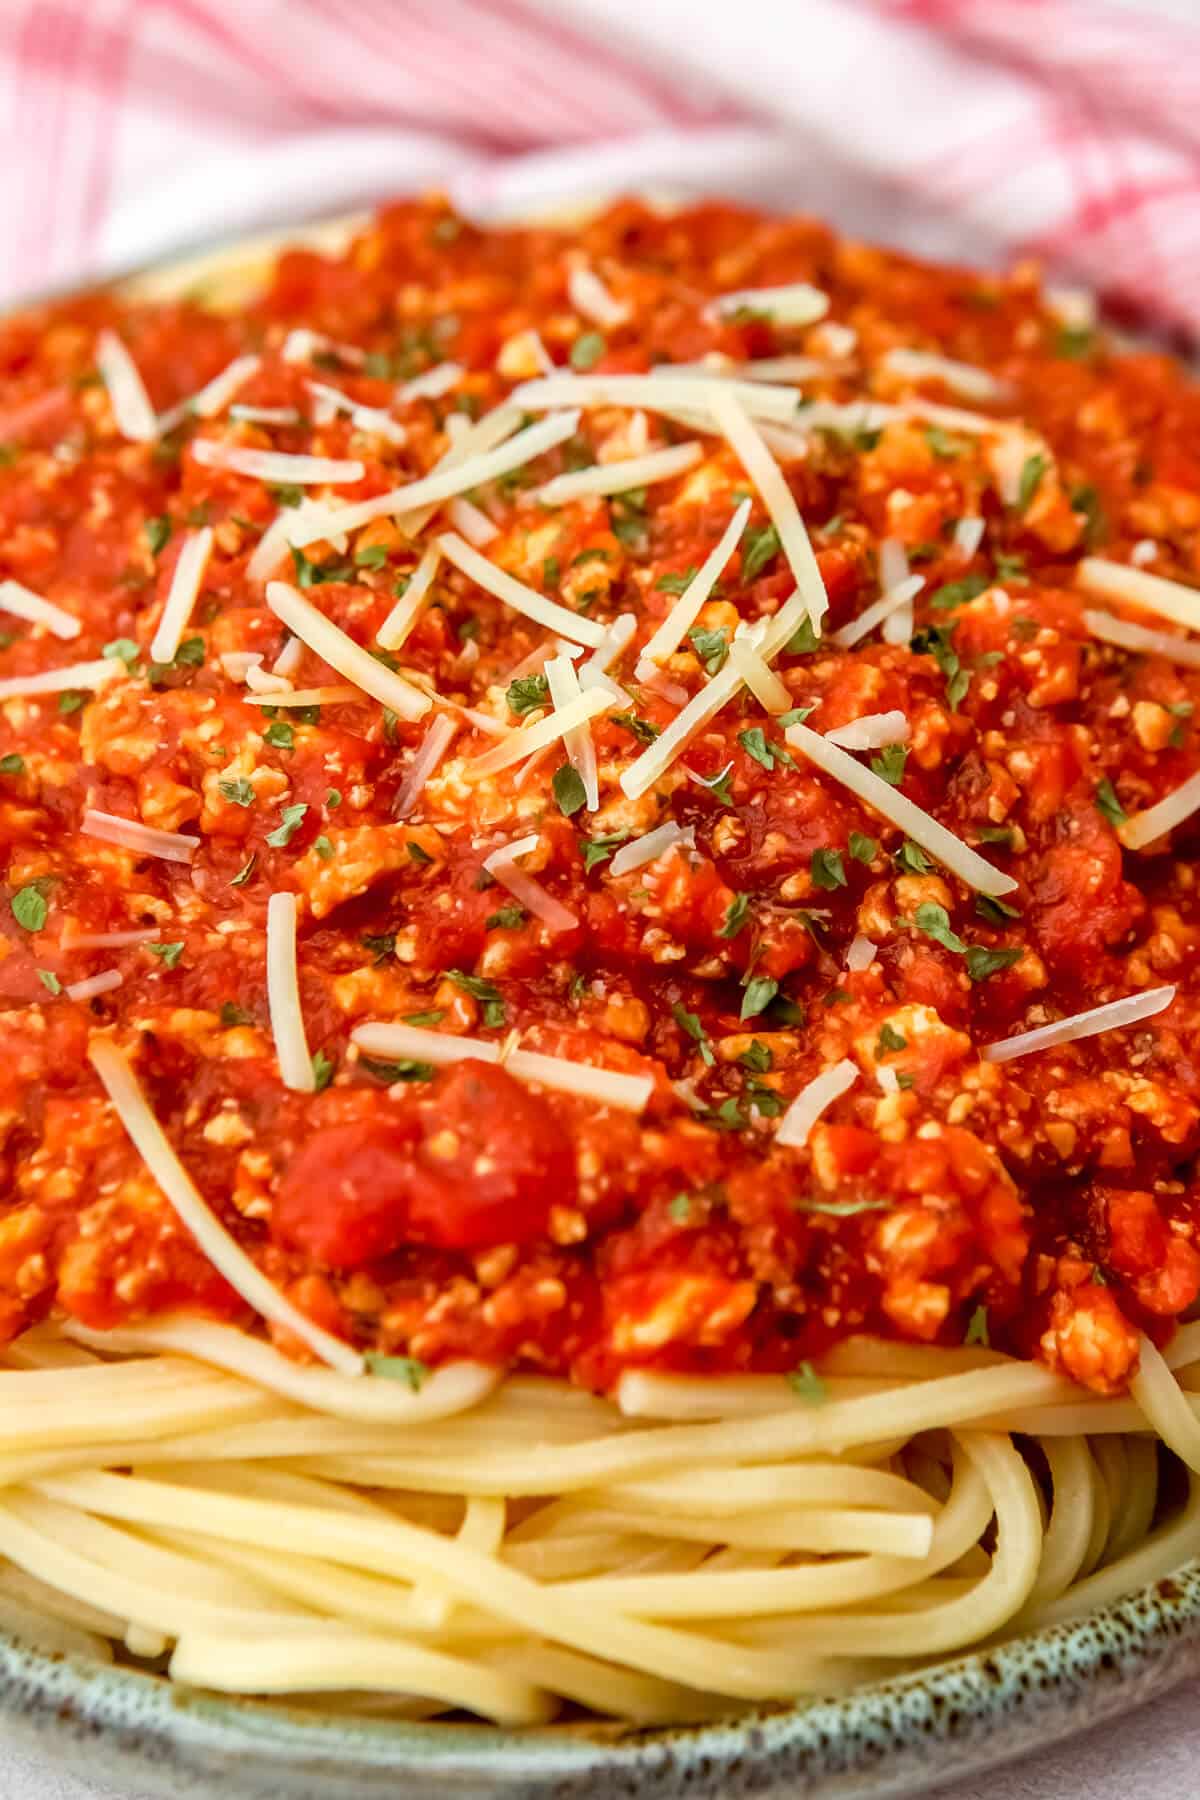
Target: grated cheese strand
x=276 y=465
x=471 y=522
x=589 y=296
x=758 y=676
x=92 y=985
x=650 y=846
x=1111 y=630
x=961 y=378
x=871 y=732
x=502 y=864
x=450 y=478
x=432 y=384
x=686 y=610
x=879 y=610
x=61 y=681
x=619 y=477
x=514 y=593
x=515 y=746
x=333 y=646
x=1142 y=828
x=1117 y=581
x=432 y=748
x=214 y=396
x=812 y=1101
x=628 y=1093
x=144 y=840
x=893 y=573
x=23 y=603
x=581 y=751
x=283 y=996
x=190 y=568
x=657 y=393
x=131 y=409
x=408 y=608
x=226 y=1256
x=1109 y=1017
x=797 y=303
x=860 y=955
x=765 y=473
x=894 y=806
x=314 y=696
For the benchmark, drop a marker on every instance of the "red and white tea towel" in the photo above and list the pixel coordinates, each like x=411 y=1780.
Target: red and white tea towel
x=972 y=128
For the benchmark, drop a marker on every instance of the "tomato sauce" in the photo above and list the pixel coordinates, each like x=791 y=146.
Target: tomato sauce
x=1049 y=1204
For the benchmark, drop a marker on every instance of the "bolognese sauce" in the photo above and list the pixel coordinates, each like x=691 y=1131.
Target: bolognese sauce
x=952 y=433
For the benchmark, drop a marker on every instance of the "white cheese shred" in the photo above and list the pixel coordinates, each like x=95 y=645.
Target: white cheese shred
x=471 y=522
x=408 y=607
x=799 y=303
x=893 y=573
x=215 y=395
x=657 y=393
x=878 y=611
x=1140 y=638
x=283 y=996
x=23 y=603
x=502 y=864
x=369 y=419
x=1154 y=593
x=607 y=1087
x=341 y=653
x=92 y=985
x=514 y=593
x=758 y=675
x=765 y=473
x=894 y=806
x=432 y=384
x=186 y=581
x=960 y=377
x=143 y=840
x=650 y=846
x=61 y=681
x=313 y=696
x=811 y=1102
x=1142 y=828
x=563 y=682
x=860 y=955
x=301 y=345
x=589 y=296
x=619 y=477
x=432 y=748
x=1111 y=1017
x=226 y=1256
x=276 y=465
x=871 y=732
x=968 y=535
x=686 y=610
x=515 y=746
x=132 y=412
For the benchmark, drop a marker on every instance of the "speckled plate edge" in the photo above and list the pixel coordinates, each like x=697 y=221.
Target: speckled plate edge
x=897 y=1738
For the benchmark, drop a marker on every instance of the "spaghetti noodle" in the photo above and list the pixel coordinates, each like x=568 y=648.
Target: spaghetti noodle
x=618 y=1131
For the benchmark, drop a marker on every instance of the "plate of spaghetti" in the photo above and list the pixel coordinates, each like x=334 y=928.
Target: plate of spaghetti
x=598 y=1006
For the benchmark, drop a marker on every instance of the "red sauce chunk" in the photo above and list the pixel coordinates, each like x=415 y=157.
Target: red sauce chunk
x=1049 y=1203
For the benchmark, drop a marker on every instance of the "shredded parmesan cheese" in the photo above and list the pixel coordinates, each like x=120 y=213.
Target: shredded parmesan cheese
x=1111 y=630
x=961 y=378
x=515 y=746
x=132 y=412
x=653 y=844
x=314 y=696
x=628 y=1093
x=450 y=478
x=107 y=940
x=880 y=609
x=812 y=1101
x=190 y=568
x=589 y=296
x=949 y=850
x=1110 y=1017
x=471 y=522
x=61 y=681
x=871 y=732
x=514 y=593
x=757 y=674
x=407 y=610
x=432 y=384
x=215 y=395
x=799 y=303
x=275 y=465
x=893 y=573
x=343 y=654
x=144 y=840
x=23 y=603
x=1142 y=828
x=765 y=473
x=218 y=1246
x=1117 y=581
x=502 y=864
x=968 y=535
x=619 y=477
x=91 y=985
x=433 y=747
x=302 y=345
x=369 y=419
x=657 y=393
x=564 y=687
x=860 y=955
x=283 y=996
x=686 y=610
x=265 y=415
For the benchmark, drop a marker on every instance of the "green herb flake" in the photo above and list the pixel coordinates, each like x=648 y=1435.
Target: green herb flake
x=758 y=996
x=941 y=443
x=642 y=729
x=551 y=572
x=795 y=715
x=287 y=495
x=121 y=650
x=996 y=834
x=757 y=1058
x=754 y=743
x=1010 y=567
x=29 y=908
x=290 y=823
x=912 y=858
x=168 y=954
x=475 y=985
x=569 y=792
x=677 y=583
x=690 y=1022
x=760 y=545
x=957 y=593
x=281 y=735
x=157 y=533
x=1074 y=341
x=244 y=873
x=889 y=764
x=934 y=921
x=862 y=848
x=977 y=1329
x=996 y=912
x=1032 y=470
x=69 y=703
x=842 y=1209
x=381 y=946
x=889 y=1040
x=718 y=785
x=373 y=557
x=737 y=916
x=680 y=1208
x=527 y=693
x=807 y=1385
x=405 y=1369
x=598 y=850
x=587 y=350
x=50 y=981
x=712 y=647
x=804 y=640
x=322 y=1068
x=827 y=869
x=333 y=799
x=416 y=853
x=238 y=793
x=982 y=962
x=12 y=764
x=1108 y=804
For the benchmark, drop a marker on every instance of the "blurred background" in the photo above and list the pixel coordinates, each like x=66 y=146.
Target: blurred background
x=982 y=129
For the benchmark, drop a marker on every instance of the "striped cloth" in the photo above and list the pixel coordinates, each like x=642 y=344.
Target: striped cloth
x=1067 y=129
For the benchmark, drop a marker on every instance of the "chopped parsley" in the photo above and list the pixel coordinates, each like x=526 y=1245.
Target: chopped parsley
x=238 y=793
x=12 y=764
x=244 y=873
x=680 y=1209
x=718 y=785
x=842 y=1209
x=551 y=572
x=507 y=919
x=757 y=1058
x=29 y=908
x=311 y=574
x=50 y=981
x=677 y=583
x=287 y=495
x=957 y=593
x=1108 y=804
x=598 y=850
x=121 y=650
x=373 y=557
x=996 y=834
x=982 y=962
x=69 y=702
x=828 y=870
x=642 y=729
x=281 y=735
x=322 y=1068
x=934 y=921
x=941 y=443
x=807 y=1384
x=760 y=545
x=996 y=912
x=381 y=946
x=977 y=1329
x=889 y=1039
x=434 y=1016
x=862 y=848
x=758 y=996
x=405 y=1369
x=1032 y=470
x=690 y=1022
x=754 y=743
x=712 y=647
x=587 y=350
x=323 y=848
x=889 y=764
x=569 y=792
x=737 y=916
x=333 y=799
x=804 y=640
x=290 y=823
x=157 y=531
x=169 y=954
